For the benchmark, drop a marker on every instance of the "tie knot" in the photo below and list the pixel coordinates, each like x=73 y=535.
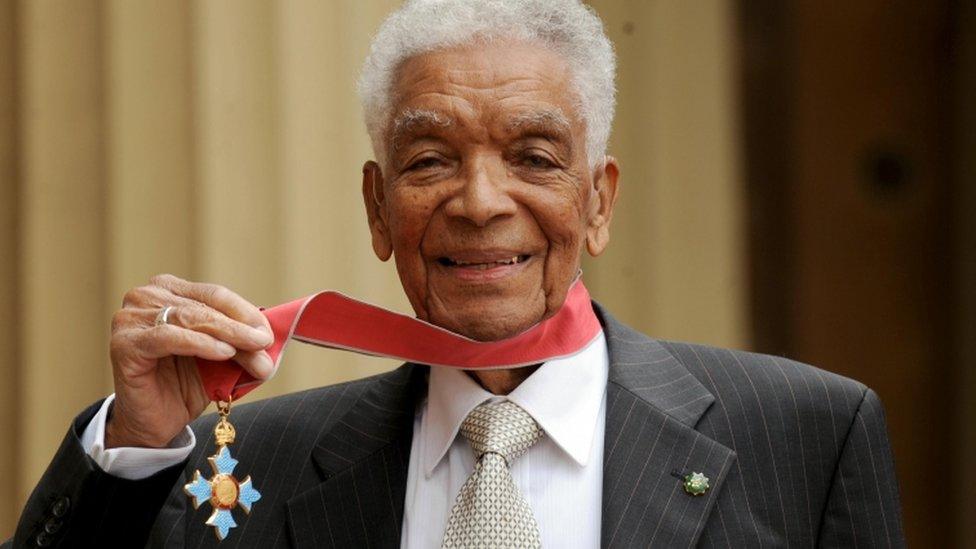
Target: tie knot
x=502 y=428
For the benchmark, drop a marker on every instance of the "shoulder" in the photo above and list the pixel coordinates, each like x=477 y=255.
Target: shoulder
x=746 y=386
x=758 y=369
x=737 y=377
x=754 y=383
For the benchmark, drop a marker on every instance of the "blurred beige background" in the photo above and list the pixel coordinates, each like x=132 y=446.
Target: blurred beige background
x=797 y=178
x=222 y=141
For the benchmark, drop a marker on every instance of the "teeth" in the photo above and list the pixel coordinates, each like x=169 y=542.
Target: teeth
x=486 y=265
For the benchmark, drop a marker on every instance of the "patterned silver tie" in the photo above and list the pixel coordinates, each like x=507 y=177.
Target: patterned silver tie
x=489 y=511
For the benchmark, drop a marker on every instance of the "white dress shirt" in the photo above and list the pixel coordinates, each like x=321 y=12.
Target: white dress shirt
x=561 y=476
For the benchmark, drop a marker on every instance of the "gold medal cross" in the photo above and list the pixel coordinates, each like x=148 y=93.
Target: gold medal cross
x=222 y=490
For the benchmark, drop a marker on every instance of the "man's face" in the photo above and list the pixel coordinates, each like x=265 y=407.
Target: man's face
x=487 y=199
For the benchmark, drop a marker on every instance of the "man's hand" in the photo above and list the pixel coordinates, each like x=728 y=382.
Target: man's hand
x=157 y=388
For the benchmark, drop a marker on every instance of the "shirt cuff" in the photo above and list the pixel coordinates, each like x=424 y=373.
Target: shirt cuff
x=129 y=462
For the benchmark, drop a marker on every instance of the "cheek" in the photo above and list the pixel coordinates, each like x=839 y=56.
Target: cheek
x=559 y=214
x=561 y=221
x=410 y=214
x=410 y=211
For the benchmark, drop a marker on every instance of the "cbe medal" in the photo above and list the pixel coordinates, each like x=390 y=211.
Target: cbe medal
x=223 y=490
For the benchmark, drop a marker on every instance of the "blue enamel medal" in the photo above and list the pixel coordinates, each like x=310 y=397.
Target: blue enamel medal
x=222 y=490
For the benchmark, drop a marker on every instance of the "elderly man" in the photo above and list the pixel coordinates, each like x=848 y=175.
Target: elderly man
x=489 y=121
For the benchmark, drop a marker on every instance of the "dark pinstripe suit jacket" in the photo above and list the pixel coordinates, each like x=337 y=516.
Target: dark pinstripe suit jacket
x=797 y=457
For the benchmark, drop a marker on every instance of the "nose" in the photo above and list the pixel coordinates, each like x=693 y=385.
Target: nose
x=481 y=197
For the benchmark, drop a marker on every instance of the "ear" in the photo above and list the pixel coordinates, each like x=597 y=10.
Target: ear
x=374 y=198
x=601 y=206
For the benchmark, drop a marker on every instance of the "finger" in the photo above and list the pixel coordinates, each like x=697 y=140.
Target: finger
x=168 y=340
x=145 y=317
x=201 y=318
x=216 y=296
x=154 y=297
x=147 y=297
x=125 y=319
x=258 y=363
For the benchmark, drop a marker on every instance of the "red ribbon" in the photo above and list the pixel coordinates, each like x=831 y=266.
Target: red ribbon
x=331 y=319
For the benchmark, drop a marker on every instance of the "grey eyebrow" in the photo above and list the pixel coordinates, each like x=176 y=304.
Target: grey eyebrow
x=412 y=120
x=542 y=119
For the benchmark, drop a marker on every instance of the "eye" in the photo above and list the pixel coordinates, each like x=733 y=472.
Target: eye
x=537 y=162
x=424 y=163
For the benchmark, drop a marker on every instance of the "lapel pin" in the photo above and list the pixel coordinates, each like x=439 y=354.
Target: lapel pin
x=696 y=484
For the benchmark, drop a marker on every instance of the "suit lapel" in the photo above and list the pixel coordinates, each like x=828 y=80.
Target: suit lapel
x=653 y=405
x=363 y=462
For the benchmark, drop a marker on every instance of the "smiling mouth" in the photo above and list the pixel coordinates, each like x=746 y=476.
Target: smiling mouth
x=483 y=265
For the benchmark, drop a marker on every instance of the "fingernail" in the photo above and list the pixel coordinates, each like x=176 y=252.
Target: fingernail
x=226 y=349
x=267 y=365
x=274 y=370
x=262 y=336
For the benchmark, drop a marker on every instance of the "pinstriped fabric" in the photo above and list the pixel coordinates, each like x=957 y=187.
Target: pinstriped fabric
x=805 y=440
x=809 y=463
x=363 y=460
x=649 y=371
x=863 y=474
x=651 y=444
x=646 y=456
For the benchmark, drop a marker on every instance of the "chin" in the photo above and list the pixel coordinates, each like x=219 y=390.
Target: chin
x=481 y=329
x=504 y=322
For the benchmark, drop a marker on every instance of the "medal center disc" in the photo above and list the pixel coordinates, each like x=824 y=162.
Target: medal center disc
x=224 y=491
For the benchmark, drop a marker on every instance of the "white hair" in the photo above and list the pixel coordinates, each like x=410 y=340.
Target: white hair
x=567 y=27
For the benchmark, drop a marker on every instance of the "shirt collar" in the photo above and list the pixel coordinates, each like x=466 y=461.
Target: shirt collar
x=564 y=396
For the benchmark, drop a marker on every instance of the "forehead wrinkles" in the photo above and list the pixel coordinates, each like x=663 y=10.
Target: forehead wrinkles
x=492 y=81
